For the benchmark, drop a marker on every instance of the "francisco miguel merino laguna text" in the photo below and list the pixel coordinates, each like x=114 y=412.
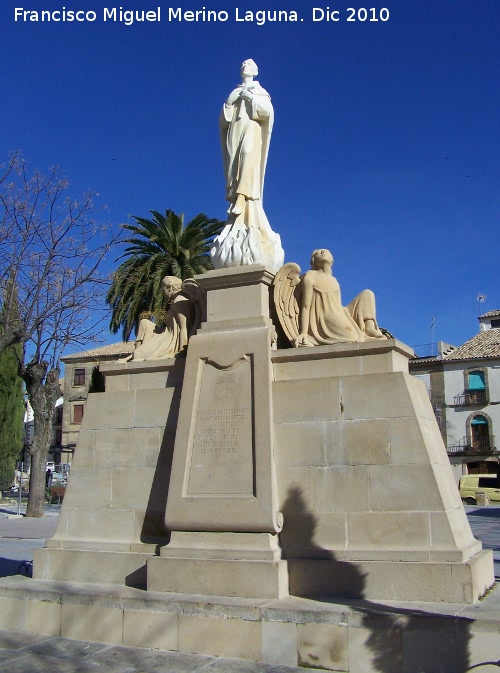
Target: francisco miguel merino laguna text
x=128 y=17
x=260 y=17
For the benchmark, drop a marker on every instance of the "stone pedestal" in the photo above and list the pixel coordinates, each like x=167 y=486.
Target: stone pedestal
x=222 y=500
x=315 y=471
x=371 y=508
x=112 y=517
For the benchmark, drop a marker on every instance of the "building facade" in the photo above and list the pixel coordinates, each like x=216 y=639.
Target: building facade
x=78 y=376
x=464 y=387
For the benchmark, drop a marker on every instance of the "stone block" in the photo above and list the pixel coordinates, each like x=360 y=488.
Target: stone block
x=404 y=488
x=344 y=488
x=43 y=617
x=13 y=614
x=89 y=486
x=101 y=525
x=326 y=578
x=389 y=532
x=436 y=645
x=372 y=650
x=232 y=638
x=307 y=535
x=132 y=488
x=128 y=447
x=248 y=579
x=85 y=456
x=157 y=407
x=158 y=630
x=149 y=528
x=150 y=380
x=388 y=580
x=279 y=643
x=92 y=566
x=224 y=546
x=297 y=489
x=447 y=486
x=294 y=365
x=117 y=412
x=323 y=646
x=306 y=400
x=358 y=442
x=390 y=395
x=451 y=531
x=300 y=444
x=416 y=440
x=87 y=622
x=390 y=361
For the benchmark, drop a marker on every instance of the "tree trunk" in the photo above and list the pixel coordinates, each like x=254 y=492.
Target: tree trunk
x=43 y=391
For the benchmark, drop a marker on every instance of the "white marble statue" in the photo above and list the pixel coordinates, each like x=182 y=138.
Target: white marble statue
x=186 y=302
x=246 y=124
x=310 y=310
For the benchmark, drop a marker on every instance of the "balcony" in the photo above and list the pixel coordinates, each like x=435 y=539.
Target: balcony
x=470 y=398
x=465 y=447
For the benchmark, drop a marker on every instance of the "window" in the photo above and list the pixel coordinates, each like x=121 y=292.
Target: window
x=480 y=435
x=476 y=380
x=476 y=386
x=78 y=410
x=488 y=482
x=79 y=377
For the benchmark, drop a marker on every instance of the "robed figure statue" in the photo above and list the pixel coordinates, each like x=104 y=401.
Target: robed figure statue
x=245 y=124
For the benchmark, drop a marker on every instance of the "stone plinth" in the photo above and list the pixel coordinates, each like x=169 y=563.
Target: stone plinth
x=112 y=518
x=315 y=471
x=350 y=636
x=371 y=508
x=222 y=500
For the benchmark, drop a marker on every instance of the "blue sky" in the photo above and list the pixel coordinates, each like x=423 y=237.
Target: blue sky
x=384 y=148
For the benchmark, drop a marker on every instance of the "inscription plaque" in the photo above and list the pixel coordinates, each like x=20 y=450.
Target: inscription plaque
x=222 y=459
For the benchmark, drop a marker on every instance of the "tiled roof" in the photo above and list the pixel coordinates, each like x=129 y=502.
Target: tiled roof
x=119 y=349
x=484 y=345
x=490 y=314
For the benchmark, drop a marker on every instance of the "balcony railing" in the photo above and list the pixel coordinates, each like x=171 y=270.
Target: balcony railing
x=470 y=397
x=465 y=446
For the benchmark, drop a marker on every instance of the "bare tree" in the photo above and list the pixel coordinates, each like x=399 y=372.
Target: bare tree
x=51 y=287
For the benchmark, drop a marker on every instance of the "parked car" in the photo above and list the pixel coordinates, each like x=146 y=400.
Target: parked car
x=470 y=484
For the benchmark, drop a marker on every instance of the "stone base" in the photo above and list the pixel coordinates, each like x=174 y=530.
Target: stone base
x=215 y=577
x=349 y=636
x=386 y=580
x=83 y=565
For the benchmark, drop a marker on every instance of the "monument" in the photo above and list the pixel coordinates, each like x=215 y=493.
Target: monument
x=228 y=502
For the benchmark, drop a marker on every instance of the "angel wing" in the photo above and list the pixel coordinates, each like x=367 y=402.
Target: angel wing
x=198 y=297
x=286 y=288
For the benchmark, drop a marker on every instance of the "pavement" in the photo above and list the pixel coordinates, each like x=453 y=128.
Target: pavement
x=28 y=653
x=485 y=526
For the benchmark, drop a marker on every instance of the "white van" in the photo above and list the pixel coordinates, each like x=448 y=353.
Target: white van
x=470 y=484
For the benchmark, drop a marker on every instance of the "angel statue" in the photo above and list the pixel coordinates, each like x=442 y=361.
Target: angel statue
x=310 y=308
x=186 y=302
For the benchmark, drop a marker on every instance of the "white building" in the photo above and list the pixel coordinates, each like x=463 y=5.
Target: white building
x=464 y=388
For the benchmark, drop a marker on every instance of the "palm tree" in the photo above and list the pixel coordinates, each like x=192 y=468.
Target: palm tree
x=159 y=247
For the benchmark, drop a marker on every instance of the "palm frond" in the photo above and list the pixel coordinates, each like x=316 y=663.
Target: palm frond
x=157 y=247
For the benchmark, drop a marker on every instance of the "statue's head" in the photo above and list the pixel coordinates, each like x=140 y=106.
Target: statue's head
x=321 y=257
x=249 y=67
x=170 y=286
